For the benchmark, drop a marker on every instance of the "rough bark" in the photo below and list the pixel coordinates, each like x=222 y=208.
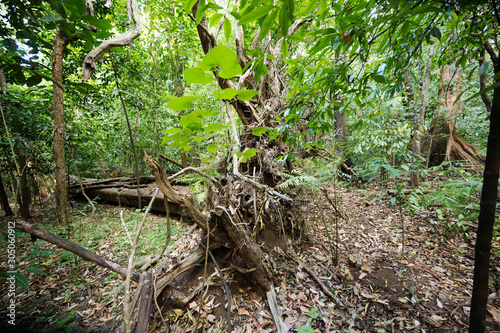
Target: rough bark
x=60 y=43
x=74 y=248
x=4 y=200
x=486 y=219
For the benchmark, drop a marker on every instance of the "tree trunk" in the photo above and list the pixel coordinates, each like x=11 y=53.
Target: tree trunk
x=60 y=43
x=443 y=142
x=340 y=133
x=418 y=123
x=486 y=220
x=23 y=183
x=4 y=200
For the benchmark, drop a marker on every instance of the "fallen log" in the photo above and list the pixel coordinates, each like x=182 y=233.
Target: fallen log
x=123 y=191
x=73 y=247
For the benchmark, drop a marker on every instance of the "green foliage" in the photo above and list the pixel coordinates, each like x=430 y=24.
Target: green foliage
x=297 y=178
x=312 y=314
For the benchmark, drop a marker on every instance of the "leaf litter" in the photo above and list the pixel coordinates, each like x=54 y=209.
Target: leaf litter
x=371 y=287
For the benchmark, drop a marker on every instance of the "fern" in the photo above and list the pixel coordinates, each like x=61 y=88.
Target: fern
x=297 y=178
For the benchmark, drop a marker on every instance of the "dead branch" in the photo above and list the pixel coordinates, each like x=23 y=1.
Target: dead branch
x=74 y=248
x=89 y=64
x=171 y=160
x=201 y=173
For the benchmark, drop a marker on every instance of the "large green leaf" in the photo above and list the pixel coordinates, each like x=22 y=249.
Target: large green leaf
x=188 y=5
x=249 y=153
x=181 y=103
x=221 y=58
x=214 y=20
x=255 y=14
x=227 y=28
x=267 y=24
x=258 y=131
x=197 y=75
x=247 y=95
x=227 y=93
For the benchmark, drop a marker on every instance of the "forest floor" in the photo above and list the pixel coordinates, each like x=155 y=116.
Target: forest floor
x=374 y=286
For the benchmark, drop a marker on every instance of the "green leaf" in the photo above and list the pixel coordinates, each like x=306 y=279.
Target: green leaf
x=99 y=24
x=181 y=103
x=436 y=32
x=393 y=200
x=227 y=28
x=255 y=14
x=33 y=80
x=258 y=131
x=200 y=12
x=284 y=49
x=35 y=270
x=215 y=19
x=249 y=153
x=188 y=5
x=191 y=121
x=227 y=93
x=212 y=128
x=284 y=21
x=484 y=91
x=20 y=280
x=268 y=22
x=221 y=58
x=207 y=159
x=197 y=75
x=483 y=68
x=213 y=6
x=212 y=148
x=51 y=18
x=378 y=78
x=260 y=70
x=297 y=38
x=247 y=95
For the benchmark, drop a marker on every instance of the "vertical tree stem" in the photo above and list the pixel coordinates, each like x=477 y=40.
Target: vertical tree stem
x=132 y=141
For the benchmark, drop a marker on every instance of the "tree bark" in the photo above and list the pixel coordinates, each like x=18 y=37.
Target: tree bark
x=486 y=219
x=4 y=200
x=60 y=43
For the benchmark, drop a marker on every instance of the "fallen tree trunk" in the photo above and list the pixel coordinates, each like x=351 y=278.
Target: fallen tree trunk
x=123 y=191
x=75 y=248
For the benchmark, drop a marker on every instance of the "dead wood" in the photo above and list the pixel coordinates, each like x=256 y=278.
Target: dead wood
x=145 y=303
x=123 y=191
x=75 y=248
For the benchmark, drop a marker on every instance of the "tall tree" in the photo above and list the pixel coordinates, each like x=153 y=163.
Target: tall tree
x=419 y=122
x=488 y=204
x=61 y=40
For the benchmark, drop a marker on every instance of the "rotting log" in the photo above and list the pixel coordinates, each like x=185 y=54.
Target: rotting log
x=123 y=191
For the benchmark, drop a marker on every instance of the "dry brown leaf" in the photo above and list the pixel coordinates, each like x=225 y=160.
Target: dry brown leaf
x=243 y=312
